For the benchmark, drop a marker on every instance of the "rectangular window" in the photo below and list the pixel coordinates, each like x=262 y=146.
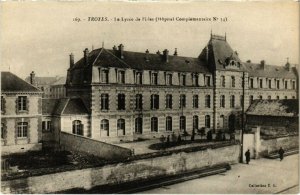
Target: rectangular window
x=169 y=79
x=182 y=79
x=2 y=103
x=251 y=82
x=232 y=101
x=22 y=129
x=121 y=77
x=46 y=125
x=207 y=101
x=195 y=79
x=223 y=81
x=294 y=85
x=154 y=78
x=195 y=101
x=260 y=83
x=2 y=131
x=154 y=101
x=104 y=101
x=22 y=103
x=182 y=102
x=232 y=81
x=104 y=76
x=285 y=84
x=270 y=84
x=241 y=100
x=277 y=84
x=169 y=101
x=207 y=80
x=139 y=102
x=121 y=102
x=139 y=78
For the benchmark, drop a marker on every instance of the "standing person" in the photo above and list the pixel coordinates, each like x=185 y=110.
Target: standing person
x=281 y=152
x=247 y=154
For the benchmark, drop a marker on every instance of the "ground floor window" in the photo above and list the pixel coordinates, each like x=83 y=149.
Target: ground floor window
x=207 y=121
x=121 y=126
x=46 y=125
x=182 y=123
x=139 y=125
x=104 y=127
x=169 y=123
x=154 y=124
x=77 y=127
x=22 y=129
x=195 y=122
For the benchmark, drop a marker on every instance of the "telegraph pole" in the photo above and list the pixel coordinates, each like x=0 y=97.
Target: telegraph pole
x=243 y=105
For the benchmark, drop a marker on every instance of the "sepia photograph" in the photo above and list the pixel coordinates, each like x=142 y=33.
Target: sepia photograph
x=150 y=97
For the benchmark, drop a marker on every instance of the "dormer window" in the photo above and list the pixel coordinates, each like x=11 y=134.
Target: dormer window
x=207 y=80
x=139 y=78
x=121 y=76
x=104 y=76
x=182 y=79
x=195 y=78
x=154 y=78
x=168 y=79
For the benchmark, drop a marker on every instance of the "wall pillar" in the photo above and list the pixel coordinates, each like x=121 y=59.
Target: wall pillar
x=256 y=142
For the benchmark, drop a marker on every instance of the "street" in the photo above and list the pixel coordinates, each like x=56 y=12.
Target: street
x=260 y=176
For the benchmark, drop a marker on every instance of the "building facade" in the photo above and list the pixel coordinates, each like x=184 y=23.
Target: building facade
x=21 y=115
x=131 y=95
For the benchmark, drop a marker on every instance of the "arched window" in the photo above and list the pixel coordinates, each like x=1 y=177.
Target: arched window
x=121 y=126
x=207 y=121
x=182 y=102
x=207 y=101
x=232 y=101
x=182 y=123
x=104 y=127
x=139 y=125
x=154 y=124
x=169 y=123
x=222 y=101
x=77 y=127
x=195 y=101
x=195 y=122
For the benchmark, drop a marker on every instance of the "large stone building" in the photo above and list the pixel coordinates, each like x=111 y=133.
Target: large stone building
x=21 y=115
x=131 y=95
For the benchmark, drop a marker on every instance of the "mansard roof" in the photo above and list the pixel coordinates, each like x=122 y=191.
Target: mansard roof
x=12 y=83
x=142 y=61
x=63 y=106
x=270 y=71
x=286 y=107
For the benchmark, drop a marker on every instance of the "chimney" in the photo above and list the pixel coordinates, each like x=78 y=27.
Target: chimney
x=32 y=78
x=121 y=51
x=114 y=48
x=248 y=61
x=158 y=52
x=175 y=52
x=147 y=55
x=86 y=56
x=166 y=55
x=262 y=64
x=71 y=60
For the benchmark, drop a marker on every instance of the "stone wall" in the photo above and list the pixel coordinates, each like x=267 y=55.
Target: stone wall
x=123 y=172
x=71 y=142
x=273 y=145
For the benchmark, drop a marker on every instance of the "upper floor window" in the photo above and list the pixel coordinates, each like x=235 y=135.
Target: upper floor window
x=260 y=83
x=222 y=101
x=232 y=81
x=270 y=83
x=241 y=100
x=182 y=102
x=222 y=81
x=104 y=101
x=169 y=123
x=22 y=103
x=77 y=127
x=207 y=101
x=2 y=103
x=195 y=101
x=46 y=125
x=121 y=101
x=154 y=124
x=169 y=101
x=207 y=80
x=195 y=78
x=169 y=79
x=138 y=101
x=183 y=79
x=104 y=76
x=154 y=101
x=232 y=101
x=154 y=79
x=294 y=85
x=2 y=131
x=251 y=83
x=285 y=84
x=22 y=129
x=139 y=78
x=121 y=76
x=277 y=84
x=104 y=126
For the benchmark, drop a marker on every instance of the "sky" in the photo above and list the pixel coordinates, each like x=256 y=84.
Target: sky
x=39 y=36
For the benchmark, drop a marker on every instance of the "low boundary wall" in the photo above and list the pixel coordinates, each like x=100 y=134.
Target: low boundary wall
x=104 y=150
x=272 y=145
x=173 y=164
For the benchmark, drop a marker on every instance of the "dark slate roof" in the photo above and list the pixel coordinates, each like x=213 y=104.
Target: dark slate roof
x=75 y=106
x=60 y=81
x=136 y=60
x=48 y=106
x=12 y=83
x=286 y=107
x=270 y=71
x=47 y=80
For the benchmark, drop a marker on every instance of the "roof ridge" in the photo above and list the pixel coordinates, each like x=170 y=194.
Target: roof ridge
x=117 y=58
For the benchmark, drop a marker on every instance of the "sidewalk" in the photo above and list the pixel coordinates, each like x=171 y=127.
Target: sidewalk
x=260 y=176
